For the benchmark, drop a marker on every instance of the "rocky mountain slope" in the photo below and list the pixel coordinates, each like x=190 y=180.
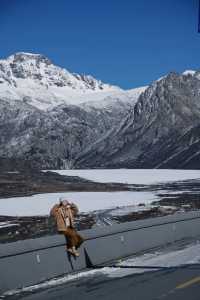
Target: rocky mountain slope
x=48 y=116
x=161 y=131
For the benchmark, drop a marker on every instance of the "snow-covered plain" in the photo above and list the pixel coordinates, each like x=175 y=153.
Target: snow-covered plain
x=41 y=204
x=125 y=210
x=133 y=176
x=7 y=224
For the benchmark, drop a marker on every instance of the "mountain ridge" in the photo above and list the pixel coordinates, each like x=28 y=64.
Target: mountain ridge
x=160 y=118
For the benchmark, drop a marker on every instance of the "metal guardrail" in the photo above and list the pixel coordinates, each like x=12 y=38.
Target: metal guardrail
x=44 y=258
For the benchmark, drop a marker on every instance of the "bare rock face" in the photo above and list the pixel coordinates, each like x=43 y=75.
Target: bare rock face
x=49 y=139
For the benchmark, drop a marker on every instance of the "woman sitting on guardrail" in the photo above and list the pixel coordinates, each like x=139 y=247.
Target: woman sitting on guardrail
x=64 y=214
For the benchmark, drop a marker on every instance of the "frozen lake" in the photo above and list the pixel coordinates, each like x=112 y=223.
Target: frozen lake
x=87 y=201
x=40 y=204
x=133 y=176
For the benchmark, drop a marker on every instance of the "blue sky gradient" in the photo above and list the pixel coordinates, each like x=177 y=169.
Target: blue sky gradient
x=129 y=43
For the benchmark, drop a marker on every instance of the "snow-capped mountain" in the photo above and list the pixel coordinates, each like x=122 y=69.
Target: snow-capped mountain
x=33 y=79
x=51 y=118
x=48 y=115
x=162 y=131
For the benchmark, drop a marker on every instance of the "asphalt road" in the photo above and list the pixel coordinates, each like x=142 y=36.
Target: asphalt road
x=173 y=284
x=180 y=281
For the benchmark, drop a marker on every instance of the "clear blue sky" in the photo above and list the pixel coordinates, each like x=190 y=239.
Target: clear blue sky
x=125 y=42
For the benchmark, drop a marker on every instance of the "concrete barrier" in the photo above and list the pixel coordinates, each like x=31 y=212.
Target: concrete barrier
x=29 y=262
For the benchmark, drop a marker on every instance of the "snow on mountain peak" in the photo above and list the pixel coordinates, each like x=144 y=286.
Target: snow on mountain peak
x=39 y=68
x=25 y=56
x=189 y=72
x=33 y=78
